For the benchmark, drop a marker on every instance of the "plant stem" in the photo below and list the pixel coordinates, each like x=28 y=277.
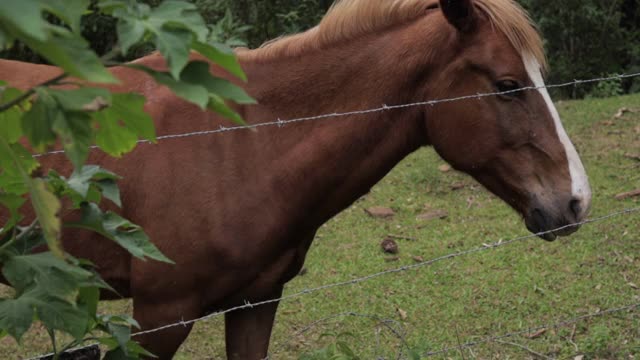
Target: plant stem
x=52 y=336
x=26 y=232
x=6 y=106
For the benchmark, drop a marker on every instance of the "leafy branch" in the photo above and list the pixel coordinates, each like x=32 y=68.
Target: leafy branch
x=54 y=287
x=29 y=93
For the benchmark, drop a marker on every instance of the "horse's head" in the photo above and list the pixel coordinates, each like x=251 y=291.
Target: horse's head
x=514 y=144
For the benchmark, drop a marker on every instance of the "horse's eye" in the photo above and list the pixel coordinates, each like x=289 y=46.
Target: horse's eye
x=508 y=86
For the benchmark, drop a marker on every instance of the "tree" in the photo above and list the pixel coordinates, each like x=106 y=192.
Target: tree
x=586 y=39
x=53 y=287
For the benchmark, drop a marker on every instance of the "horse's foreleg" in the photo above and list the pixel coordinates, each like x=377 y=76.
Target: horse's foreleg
x=154 y=314
x=248 y=331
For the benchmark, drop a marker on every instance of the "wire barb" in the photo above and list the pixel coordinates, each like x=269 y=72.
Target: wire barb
x=281 y=123
x=481 y=248
x=393 y=271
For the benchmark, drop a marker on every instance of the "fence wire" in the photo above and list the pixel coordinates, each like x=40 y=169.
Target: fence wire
x=485 y=247
x=382 y=108
x=482 y=248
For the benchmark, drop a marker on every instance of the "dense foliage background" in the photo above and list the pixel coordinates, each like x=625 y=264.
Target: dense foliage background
x=585 y=38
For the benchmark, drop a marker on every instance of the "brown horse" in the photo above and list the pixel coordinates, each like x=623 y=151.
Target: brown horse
x=238 y=211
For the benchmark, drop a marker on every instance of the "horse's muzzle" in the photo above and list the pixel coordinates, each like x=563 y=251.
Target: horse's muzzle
x=549 y=225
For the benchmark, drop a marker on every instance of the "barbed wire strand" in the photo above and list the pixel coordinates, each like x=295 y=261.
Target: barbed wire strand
x=482 y=248
x=534 y=329
x=281 y=123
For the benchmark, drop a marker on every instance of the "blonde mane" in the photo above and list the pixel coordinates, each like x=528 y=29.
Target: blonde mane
x=348 y=19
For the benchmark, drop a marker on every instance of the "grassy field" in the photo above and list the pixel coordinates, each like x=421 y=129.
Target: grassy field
x=509 y=289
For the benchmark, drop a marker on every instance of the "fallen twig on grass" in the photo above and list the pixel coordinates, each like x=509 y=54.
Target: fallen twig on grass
x=628 y=195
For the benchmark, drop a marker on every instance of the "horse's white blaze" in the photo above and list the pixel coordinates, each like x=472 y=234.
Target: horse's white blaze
x=579 y=180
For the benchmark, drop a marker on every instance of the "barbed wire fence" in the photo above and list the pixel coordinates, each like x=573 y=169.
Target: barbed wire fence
x=468 y=345
x=485 y=247
x=382 y=108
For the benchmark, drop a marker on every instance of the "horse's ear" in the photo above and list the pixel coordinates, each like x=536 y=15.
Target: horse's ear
x=460 y=13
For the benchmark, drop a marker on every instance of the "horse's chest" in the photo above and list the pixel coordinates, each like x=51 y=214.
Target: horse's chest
x=273 y=274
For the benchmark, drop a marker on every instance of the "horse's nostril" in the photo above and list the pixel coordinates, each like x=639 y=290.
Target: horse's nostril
x=575 y=206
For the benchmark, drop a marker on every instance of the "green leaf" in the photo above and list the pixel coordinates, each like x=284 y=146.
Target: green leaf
x=109 y=341
x=129 y=108
x=5 y=40
x=120 y=319
x=80 y=179
x=44 y=271
x=179 y=14
x=112 y=138
x=10 y=120
x=85 y=99
x=13 y=203
x=25 y=159
x=175 y=46
x=122 y=334
x=70 y=11
x=90 y=297
x=75 y=132
x=46 y=285
x=218 y=105
x=198 y=73
x=110 y=190
x=16 y=317
x=125 y=233
x=118 y=354
x=130 y=32
x=122 y=124
x=25 y=245
x=12 y=183
x=16 y=163
x=172 y=27
x=24 y=17
x=60 y=315
x=196 y=94
x=221 y=55
x=110 y=7
x=86 y=184
x=134 y=350
x=201 y=88
x=132 y=238
x=46 y=206
x=37 y=123
x=72 y=53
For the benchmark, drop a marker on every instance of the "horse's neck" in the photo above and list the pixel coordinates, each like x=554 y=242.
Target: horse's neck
x=327 y=164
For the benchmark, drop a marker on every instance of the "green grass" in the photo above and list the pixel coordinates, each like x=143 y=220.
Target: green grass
x=509 y=289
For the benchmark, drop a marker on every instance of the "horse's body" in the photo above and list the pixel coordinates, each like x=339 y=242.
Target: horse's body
x=238 y=211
